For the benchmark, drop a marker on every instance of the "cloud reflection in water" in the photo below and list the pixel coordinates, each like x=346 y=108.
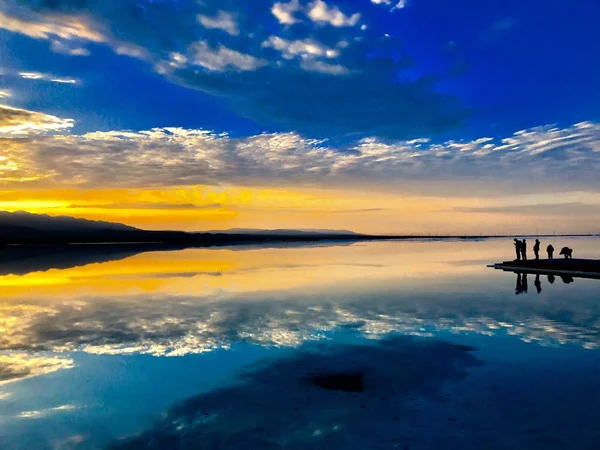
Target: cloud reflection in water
x=171 y=304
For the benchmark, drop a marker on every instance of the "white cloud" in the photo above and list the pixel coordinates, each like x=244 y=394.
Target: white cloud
x=319 y=66
x=129 y=49
x=320 y=12
x=401 y=4
x=66 y=32
x=63 y=27
x=32 y=75
x=222 y=58
x=38 y=413
x=65 y=49
x=64 y=80
x=306 y=47
x=19 y=366
x=15 y=122
x=553 y=158
x=47 y=77
x=284 y=12
x=223 y=21
x=309 y=50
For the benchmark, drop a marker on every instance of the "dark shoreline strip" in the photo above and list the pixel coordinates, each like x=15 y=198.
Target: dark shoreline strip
x=577 y=268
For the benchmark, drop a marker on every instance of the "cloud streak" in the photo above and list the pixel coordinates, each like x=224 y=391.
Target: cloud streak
x=15 y=122
x=579 y=208
x=46 y=77
x=142 y=205
x=19 y=366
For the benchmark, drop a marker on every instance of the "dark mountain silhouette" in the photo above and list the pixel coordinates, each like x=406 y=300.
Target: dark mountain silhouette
x=24 y=220
x=22 y=228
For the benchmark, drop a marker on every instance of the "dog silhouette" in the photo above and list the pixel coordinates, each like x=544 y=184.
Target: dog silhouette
x=568 y=252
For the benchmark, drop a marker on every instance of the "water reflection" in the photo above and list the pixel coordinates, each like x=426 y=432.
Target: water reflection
x=276 y=405
x=538 y=284
x=567 y=279
x=522 y=284
x=521 y=287
x=178 y=303
x=19 y=260
x=79 y=329
x=22 y=260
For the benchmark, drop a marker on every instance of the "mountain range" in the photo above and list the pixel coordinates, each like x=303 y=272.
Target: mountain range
x=44 y=222
x=26 y=228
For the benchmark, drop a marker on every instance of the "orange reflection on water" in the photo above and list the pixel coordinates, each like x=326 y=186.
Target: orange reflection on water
x=199 y=272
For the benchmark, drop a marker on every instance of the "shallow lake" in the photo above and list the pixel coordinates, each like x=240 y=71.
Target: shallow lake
x=372 y=345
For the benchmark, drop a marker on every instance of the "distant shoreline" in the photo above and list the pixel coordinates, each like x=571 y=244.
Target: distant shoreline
x=186 y=240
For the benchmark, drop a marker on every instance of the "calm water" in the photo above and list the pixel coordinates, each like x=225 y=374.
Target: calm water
x=219 y=348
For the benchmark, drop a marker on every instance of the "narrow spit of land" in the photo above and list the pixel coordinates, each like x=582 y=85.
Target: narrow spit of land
x=582 y=268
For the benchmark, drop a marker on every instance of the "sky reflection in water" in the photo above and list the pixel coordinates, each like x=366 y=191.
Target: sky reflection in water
x=83 y=348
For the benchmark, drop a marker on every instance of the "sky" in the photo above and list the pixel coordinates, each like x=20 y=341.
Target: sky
x=380 y=116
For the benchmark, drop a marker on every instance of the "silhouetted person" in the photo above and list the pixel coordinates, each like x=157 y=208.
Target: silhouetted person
x=568 y=252
x=550 y=251
x=551 y=279
x=538 y=284
x=524 y=250
x=567 y=279
x=524 y=283
x=518 y=249
x=519 y=287
x=536 y=249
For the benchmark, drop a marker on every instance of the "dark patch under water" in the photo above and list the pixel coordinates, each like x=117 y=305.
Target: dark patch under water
x=348 y=382
x=333 y=396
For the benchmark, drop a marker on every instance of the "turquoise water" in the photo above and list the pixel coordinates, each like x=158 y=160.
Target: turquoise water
x=220 y=348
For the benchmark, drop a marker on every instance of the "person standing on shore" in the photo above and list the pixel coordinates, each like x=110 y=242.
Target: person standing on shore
x=550 y=250
x=518 y=249
x=536 y=249
x=524 y=249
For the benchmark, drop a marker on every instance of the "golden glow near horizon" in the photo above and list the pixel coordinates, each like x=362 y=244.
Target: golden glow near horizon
x=201 y=208
x=198 y=272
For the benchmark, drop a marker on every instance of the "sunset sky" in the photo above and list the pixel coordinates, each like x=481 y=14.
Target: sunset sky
x=380 y=116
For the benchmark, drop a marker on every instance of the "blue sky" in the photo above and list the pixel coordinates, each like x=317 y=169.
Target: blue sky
x=339 y=76
x=509 y=65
